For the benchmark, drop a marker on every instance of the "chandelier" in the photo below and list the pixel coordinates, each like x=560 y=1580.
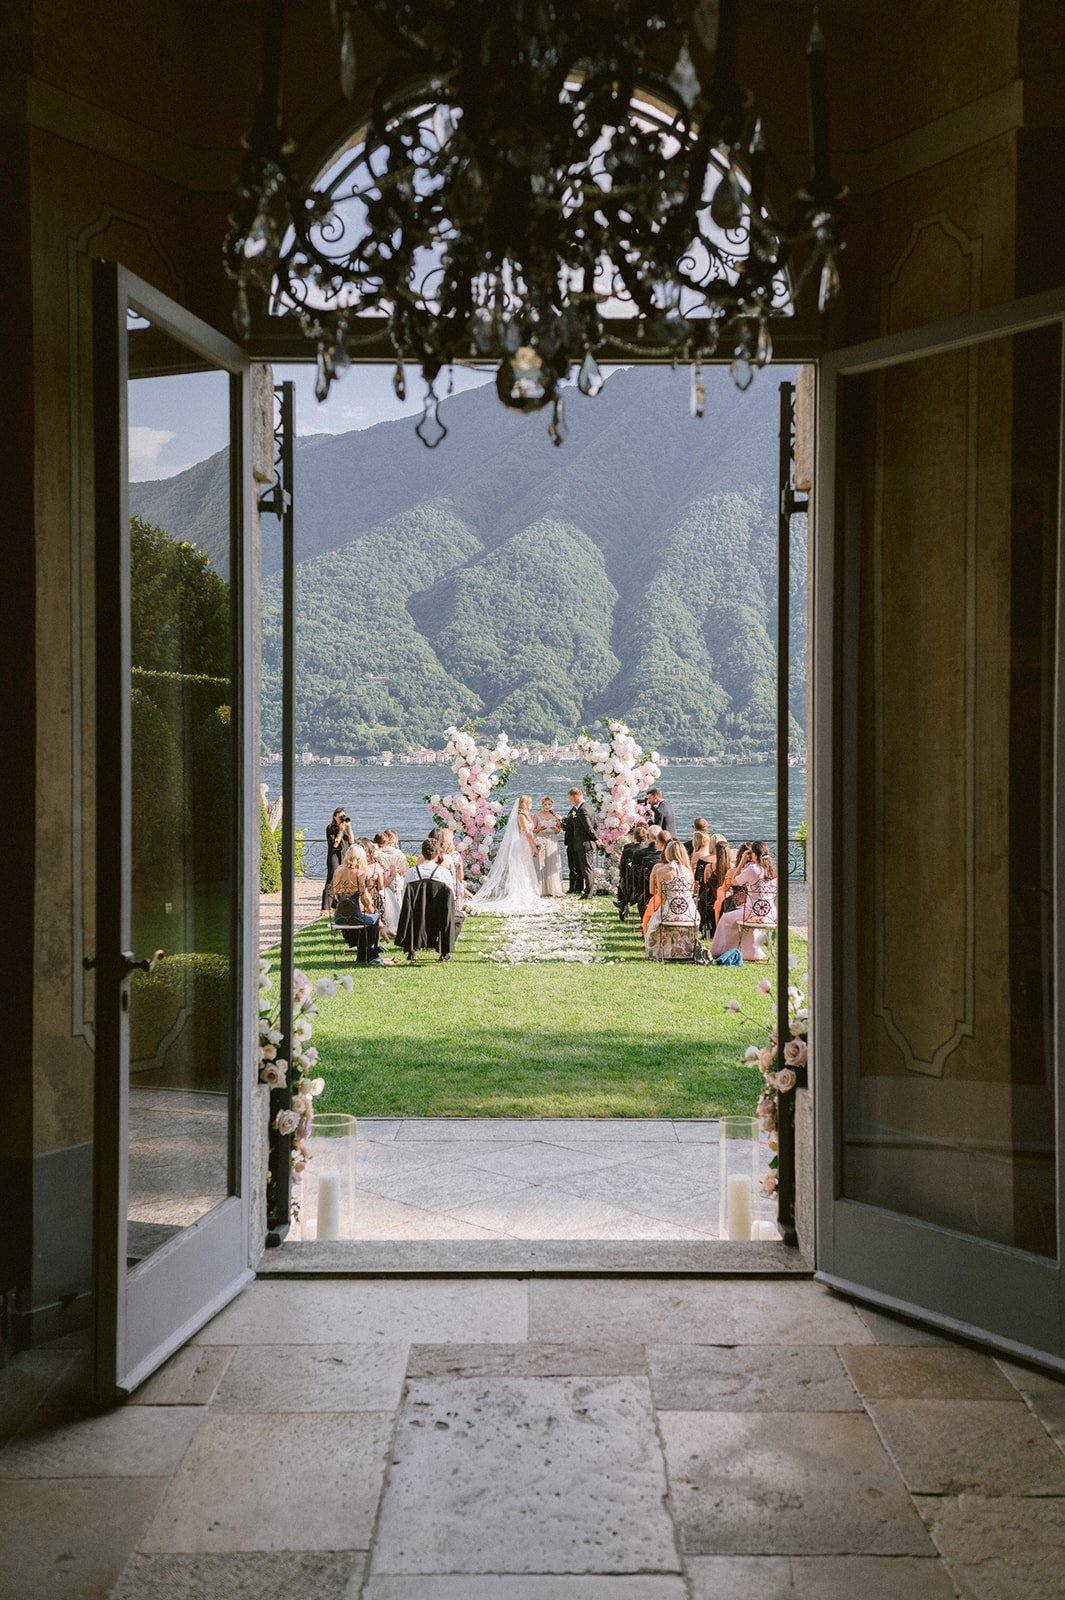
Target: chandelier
x=534 y=177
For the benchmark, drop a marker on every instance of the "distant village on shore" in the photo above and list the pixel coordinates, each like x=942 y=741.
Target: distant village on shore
x=525 y=755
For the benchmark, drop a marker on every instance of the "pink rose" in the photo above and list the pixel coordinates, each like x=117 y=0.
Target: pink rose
x=795 y=1052
x=766 y=1058
x=785 y=1080
x=764 y=986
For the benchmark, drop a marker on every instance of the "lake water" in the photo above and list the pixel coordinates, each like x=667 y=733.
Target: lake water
x=739 y=802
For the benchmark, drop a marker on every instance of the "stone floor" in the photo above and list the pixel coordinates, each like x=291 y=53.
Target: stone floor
x=547 y=1178
x=544 y=1439
x=308 y=908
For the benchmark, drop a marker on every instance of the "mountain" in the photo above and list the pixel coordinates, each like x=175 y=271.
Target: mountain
x=631 y=572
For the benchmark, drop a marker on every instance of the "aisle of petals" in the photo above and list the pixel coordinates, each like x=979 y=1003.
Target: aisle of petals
x=566 y=930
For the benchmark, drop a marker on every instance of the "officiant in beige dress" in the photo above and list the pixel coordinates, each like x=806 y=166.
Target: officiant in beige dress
x=547 y=825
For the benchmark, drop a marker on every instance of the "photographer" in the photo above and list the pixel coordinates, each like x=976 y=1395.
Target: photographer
x=338 y=839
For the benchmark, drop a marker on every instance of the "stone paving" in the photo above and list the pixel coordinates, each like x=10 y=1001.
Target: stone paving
x=544 y=1439
x=604 y=1178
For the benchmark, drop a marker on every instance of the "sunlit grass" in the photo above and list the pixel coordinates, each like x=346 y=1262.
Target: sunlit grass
x=626 y=1038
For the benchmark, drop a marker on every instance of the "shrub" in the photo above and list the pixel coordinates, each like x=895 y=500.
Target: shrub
x=298 y=868
x=269 y=862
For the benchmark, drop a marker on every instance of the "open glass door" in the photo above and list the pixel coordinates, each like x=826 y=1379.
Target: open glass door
x=175 y=976
x=937 y=839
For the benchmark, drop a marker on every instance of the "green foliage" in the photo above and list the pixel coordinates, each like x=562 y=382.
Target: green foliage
x=180 y=1023
x=269 y=860
x=179 y=607
x=298 y=842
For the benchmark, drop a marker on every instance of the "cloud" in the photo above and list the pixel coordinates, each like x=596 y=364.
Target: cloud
x=145 y=447
x=333 y=418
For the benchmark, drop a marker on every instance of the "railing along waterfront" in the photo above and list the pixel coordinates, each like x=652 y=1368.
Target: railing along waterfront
x=312 y=856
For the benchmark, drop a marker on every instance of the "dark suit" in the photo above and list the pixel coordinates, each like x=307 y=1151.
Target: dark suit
x=666 y=817
x=580 y=830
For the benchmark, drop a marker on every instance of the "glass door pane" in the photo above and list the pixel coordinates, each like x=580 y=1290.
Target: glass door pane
x=181 y=1058
x=949 y=1084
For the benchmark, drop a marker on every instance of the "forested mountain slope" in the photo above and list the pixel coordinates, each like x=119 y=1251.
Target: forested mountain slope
x=631 y=572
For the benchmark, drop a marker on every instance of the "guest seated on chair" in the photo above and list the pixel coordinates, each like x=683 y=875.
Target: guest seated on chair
x=429 y=918
x=355 y=915
x=714 y=876
x=671 y=931
x=755 y=892
x=628 y=888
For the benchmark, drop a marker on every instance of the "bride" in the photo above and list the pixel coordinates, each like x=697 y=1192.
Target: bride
x=513 y=884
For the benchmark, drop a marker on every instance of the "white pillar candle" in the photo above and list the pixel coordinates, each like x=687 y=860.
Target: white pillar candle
x=765 y=1230
x=329 y=1206
x=739 y=1206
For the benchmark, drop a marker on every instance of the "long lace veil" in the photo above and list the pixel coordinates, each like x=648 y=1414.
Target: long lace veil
x=512 y=883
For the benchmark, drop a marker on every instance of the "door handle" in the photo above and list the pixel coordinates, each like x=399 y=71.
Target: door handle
x=149 y=963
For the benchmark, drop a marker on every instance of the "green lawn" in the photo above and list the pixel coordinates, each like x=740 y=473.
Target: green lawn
x=470 y=1038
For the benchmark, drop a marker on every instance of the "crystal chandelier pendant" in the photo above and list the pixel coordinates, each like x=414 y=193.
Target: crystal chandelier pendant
x=764 y=348
x=242 y=313
x=726 y=208
x=829 y=286
x=741 y=373
x=556 y=428
x=589 y=379
x=430 y=428
x=698 y=395
x=325 y=374
x=399 y=381
x=524 y=382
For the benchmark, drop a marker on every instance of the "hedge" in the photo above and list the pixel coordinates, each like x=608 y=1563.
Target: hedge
x=179 y=1024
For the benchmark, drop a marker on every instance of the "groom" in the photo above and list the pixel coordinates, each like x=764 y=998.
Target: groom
x=579 y=830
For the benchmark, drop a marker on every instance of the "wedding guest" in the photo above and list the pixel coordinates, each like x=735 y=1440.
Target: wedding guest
x=724 y=900
x=628 y=886
x=755 y=893
x=394 y=862
x=713 y=880
x=450 y=858
x=547 y=825
x=662 y=810
x=643 y=860
x=432 y=863
x=580 y=831
x=700 y=825
x=670 y=926
x=429 y=919
x=700 y=855
x=338 y=839
x=356 y=916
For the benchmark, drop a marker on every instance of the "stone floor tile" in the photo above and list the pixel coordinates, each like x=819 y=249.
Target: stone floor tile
x=634 y=1226
x=1031 y=1380
x=888 y=1329
x=611 y=1129
x=372 y=1311
x=1049 y=1406
x=508 y=1475
x=378 y=1129
x=527 y=1361
x=25 y=1381
x=287 y=1481
x=314 y=1377
x=698 y=1162
x=795 y=1483
x=897 y=1372
x=986 y=1447
x=1002 y=1548
x=445 y=1186
x=818 y=1578
x=693 y=1131
x=127 y=1442
x=533 y=1212
x=604 y=1152
x=509 y=1587
x=189 y=1378
x=633 y=1186
x=540 y=1162
x=687 y=1377
x=277 y=1575
x=73 y=1536
x=378 y=1218
x=711 y=1311
x=506 y=1128
x=411 y=1155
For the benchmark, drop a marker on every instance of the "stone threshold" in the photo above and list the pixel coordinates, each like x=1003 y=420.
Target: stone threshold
x=559 y=1258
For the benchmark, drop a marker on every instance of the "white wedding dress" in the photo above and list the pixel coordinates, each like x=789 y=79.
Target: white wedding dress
x=513 y=882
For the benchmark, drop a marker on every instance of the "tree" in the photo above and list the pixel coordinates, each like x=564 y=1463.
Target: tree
x=179 y=607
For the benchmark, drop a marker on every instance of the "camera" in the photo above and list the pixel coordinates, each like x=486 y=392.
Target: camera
x=344 y=817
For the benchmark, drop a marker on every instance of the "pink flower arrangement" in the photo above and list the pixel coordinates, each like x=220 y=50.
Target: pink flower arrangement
x=777 y=1078
x=273 y=1072
x=621 y=771
x=471 y=813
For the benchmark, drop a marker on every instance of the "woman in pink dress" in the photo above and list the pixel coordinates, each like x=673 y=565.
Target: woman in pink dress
x=754 y=886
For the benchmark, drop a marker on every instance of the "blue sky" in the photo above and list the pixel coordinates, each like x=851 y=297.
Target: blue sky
x=176 y=421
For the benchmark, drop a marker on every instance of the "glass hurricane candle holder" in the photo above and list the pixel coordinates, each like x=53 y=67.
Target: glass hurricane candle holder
x=328 y=1204
x=739 y=1175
